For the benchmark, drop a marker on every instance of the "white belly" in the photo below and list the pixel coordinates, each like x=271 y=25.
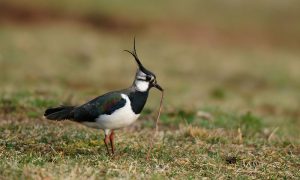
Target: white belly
x=118 y=119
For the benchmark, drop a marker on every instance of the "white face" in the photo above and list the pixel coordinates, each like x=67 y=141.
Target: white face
x=141 y=85
x=141 y=82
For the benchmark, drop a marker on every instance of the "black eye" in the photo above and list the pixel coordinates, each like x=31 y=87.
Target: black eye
x=148 y=78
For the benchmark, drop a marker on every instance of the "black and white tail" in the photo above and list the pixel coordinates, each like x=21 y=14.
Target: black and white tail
x=59 y=113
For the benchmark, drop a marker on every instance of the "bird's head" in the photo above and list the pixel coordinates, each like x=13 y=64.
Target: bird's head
x=144 y=79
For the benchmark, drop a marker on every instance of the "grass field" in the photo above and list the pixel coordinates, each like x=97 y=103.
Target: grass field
x=230 y=71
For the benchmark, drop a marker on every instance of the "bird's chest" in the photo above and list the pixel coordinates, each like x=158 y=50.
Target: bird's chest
x=121 y=117
x=138 y=101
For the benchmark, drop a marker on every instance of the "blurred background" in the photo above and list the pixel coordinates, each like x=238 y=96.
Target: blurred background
x=235 y=55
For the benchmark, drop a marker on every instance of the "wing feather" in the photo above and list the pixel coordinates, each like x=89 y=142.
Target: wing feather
x=105 y=104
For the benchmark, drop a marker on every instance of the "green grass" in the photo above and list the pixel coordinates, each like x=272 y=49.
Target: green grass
x=36 y=148
x=231 y=75
x=225 y=145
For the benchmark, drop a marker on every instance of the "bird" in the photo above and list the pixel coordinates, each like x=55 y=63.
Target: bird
x=113 y=110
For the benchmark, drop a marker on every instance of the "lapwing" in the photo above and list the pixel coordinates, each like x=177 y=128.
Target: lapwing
x=113 y=110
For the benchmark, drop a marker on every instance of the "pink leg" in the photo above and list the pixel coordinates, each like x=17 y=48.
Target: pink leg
x=106 y=141
x=111 y=137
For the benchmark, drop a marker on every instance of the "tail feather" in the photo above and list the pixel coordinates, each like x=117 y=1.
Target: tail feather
x=59 y=113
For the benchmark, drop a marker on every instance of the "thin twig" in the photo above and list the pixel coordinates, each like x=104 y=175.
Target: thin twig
x=156 y=126
x=272 y=134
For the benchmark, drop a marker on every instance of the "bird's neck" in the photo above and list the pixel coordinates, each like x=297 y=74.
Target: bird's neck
x=138 y=100
x=138 y=94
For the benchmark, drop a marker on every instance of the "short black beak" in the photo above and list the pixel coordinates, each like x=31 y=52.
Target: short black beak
x=157 y=86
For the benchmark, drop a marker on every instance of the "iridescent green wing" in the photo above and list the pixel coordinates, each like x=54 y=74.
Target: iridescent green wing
x=102 y=105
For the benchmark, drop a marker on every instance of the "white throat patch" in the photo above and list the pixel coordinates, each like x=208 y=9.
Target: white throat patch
x=141 y=85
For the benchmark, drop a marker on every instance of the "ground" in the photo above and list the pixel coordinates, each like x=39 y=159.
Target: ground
x=230 y=73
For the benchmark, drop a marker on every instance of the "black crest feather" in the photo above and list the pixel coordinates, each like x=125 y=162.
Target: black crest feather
x=134 y=54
